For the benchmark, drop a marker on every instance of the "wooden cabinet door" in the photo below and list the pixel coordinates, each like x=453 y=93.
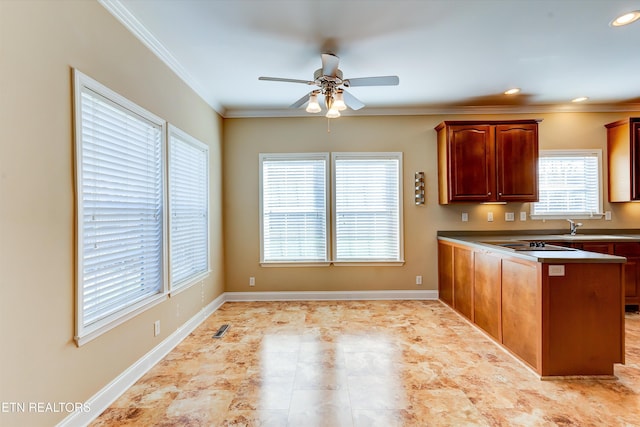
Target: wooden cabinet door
x=521 y=310
x=623 y=157
x=487 y=283
x=463 y=281
x=631 y=251
x=598 y=247
x=632 y=281
x=471 y=166
x=635 y=166
x=445 y=272
x=517 y=162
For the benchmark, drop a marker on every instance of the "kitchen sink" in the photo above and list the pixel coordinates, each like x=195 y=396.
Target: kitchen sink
x=544 y=248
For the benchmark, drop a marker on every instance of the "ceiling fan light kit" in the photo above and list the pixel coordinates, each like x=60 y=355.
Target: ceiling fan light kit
x=338 y=103
x=313 y=106
x=331 y=85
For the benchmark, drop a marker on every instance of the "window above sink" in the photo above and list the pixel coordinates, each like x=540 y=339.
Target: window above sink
x=570 y=185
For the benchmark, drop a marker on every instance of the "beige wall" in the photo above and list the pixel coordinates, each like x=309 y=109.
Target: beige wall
x=39 y=43
x=415 y=137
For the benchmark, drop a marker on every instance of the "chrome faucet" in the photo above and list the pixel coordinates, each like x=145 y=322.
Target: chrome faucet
x=574 y=226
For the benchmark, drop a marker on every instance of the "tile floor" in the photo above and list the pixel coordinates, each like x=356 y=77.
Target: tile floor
x=363 y=363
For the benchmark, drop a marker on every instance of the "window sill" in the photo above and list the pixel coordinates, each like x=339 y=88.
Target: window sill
x=368 y=263
x=355 y=263
x=89 y=333
x=295 y=264
x=186 y=284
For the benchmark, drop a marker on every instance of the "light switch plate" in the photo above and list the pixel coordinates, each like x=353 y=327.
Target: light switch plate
x=523 y=216
x=465 y=217
x=509 y=216
x=556 y=270
x=490 y=216
x=607 y=216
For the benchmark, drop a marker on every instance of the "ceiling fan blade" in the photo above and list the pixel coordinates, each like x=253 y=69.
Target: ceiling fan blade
x=351 y=101
x=300 y=102
x=372 y=81
x=279 y=79
x=329 y=64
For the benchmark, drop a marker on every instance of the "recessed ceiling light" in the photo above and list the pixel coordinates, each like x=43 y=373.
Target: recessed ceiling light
x=580 y=99
x=626 y=19
x=512 y=91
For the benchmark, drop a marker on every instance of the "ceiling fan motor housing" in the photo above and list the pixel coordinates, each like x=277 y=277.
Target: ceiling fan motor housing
x=319 y=77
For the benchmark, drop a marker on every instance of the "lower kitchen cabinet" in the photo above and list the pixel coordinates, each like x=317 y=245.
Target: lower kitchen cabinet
x=570 y=323
x=629 y=250
x=445 y=273
x=521 y=309
x=462 y=292
x=487 y=277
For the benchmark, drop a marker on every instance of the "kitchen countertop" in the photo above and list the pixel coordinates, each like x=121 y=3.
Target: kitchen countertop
x=493 y=241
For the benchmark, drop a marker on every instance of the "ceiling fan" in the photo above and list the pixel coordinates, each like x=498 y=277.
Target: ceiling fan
x=331 y=85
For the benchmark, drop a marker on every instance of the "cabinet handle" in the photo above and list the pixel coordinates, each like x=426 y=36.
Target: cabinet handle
x=499 y=194
x=489 y=193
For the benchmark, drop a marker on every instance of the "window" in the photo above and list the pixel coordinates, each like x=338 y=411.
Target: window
x=293 y=207
x=188 y=209
x=367 y=196
x=366 y=208
x=570 y=184
x=120 y=219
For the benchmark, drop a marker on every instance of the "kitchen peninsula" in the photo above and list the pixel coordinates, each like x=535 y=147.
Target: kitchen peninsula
x=558 y=309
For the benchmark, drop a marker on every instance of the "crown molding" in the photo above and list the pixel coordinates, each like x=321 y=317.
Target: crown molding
x=126 y=18
x=440 y=110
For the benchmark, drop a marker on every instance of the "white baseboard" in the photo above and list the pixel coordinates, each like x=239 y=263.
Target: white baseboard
x=105 y=397
x=331 y=295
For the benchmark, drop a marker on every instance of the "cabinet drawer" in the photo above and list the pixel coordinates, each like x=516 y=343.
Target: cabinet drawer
x=627 y=249
x=599 y=247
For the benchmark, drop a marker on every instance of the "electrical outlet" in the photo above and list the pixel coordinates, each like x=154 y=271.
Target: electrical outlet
x=465 y=217
x=156 y=328
x=252 y=281
x=509 y=216
x=490 y=216
x=418 y=280
x=607 y=216
x=523 y=216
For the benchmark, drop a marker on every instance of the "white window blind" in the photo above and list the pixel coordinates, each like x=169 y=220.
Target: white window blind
x=119 y=179
x=188 y=208
x=569 y=184
x=294 y=207
x=367 y=194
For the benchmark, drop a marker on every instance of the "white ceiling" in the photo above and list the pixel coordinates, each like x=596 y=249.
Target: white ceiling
x=450 y=55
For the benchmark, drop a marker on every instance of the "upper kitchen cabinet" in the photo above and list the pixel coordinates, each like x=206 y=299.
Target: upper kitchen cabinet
x=623 y=152
x=488 y=161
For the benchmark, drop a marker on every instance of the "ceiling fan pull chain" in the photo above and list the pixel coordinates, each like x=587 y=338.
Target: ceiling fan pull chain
x=328 y=125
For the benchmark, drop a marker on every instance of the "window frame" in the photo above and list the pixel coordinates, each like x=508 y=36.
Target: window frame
x=87 y=332
x=335 y=156
x=176 y=135
x=330 y=209
x=597 y=153
x=293 y=157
